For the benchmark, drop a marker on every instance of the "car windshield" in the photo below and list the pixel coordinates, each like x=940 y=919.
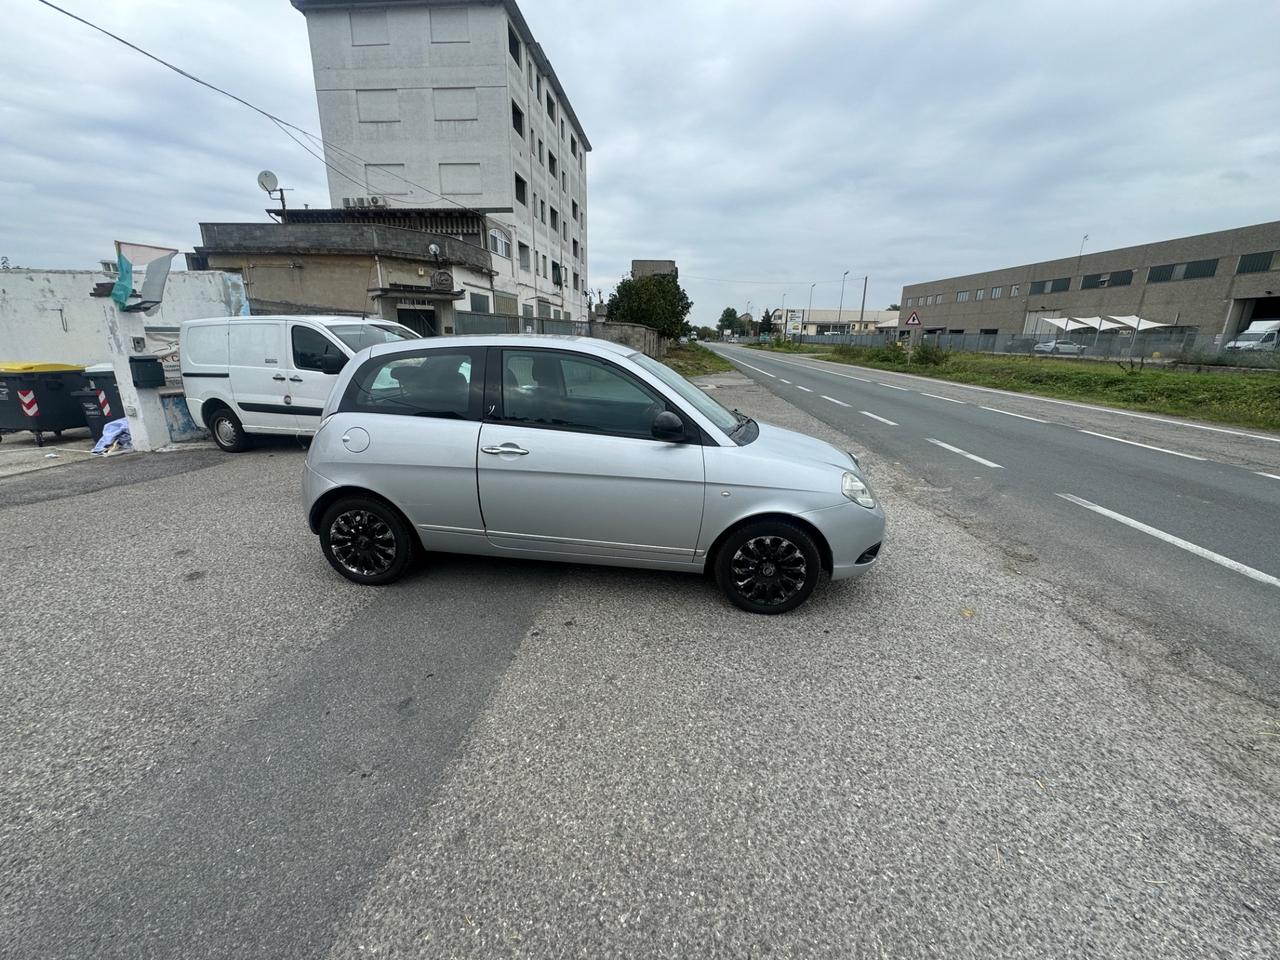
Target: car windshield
x=357 y=336
x=1250 y=337
x=726 y=420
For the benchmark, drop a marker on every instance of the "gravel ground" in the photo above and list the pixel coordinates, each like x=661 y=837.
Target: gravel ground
x=944 y=759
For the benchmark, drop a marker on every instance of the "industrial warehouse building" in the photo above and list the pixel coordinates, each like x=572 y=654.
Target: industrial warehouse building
x=1207 y=287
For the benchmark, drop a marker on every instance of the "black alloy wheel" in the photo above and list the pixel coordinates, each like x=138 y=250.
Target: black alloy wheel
x=768 y=567
x=366 y=541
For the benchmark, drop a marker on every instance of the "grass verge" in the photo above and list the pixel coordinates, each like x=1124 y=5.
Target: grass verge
x=694 y=360
x=1243 y=400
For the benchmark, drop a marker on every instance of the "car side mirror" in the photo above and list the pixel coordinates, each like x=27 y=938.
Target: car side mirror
x=331 y=363
x=667 y=426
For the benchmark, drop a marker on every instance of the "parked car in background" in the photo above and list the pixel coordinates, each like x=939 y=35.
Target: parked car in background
x=1260 y=335
x=575 y=450
x=1059 y=346
x=269 y=375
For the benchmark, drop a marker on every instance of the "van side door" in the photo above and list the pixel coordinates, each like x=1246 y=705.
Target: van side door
x=258 y=365
x=314 y=361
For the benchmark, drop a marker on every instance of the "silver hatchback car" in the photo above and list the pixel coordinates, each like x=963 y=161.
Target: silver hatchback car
x=578 y=450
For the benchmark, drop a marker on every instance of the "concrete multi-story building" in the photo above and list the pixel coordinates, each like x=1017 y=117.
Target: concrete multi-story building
x=1213 y=284
x=454 y=107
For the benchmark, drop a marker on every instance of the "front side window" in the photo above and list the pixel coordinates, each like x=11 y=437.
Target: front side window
x=700 y=400
x=310 y=347
x=549 y=389
x=434 y=383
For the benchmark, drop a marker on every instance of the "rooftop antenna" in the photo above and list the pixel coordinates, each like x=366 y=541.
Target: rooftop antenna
x=271 y=185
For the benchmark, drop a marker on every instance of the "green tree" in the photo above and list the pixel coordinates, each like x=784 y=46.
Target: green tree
x=728 y=320
x=895 y=306
x=658 y=301
x=766 y=322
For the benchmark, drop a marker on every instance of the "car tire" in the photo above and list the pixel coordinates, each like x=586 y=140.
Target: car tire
x=367 y=541
x=769 y=567
x=228 y=432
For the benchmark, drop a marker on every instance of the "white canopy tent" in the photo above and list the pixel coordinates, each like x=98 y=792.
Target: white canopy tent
x=1097 y=323
x=1067 y=324
x=1138 y=323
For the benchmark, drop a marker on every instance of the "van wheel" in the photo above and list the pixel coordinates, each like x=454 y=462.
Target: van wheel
x=366 y=540
x=768 y=567
x=228 y=433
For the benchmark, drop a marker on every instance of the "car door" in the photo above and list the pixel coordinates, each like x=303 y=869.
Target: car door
x=568 y=466
x=314 y=357
x=258 y=367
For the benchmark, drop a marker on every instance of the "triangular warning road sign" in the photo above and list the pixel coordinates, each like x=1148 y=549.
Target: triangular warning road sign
x=913 y=320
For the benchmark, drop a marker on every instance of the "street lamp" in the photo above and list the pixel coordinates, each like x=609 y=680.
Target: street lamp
x=808 y=313
x=840 y=309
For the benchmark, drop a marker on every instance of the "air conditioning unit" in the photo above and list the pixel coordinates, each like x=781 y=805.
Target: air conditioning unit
x=348 y=202
x=362 y=201
x=110 y=268
x=377 y=201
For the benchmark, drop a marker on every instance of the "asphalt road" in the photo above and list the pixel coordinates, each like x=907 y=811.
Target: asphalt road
x=1066 y=487
x=214 y=746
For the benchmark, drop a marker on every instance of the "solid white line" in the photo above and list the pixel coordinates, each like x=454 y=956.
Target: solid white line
x=1020 y=416
x=892 y=386
x=787 y=382
x=1271 y=476
x=965 y=453
x=1135 y=443
x=1187 y=545
x=756 y=369
x=868 y=413
x=834 y=400
x=1032 y=396
x=936 y=397
x=805 y=389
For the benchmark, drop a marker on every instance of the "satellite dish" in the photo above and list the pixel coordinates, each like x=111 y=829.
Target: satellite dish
x=267 y=181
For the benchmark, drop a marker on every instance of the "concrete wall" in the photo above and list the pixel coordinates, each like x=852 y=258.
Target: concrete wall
x=634 y=335
x=1212 y=304
x=49 y=316
x=406 y=100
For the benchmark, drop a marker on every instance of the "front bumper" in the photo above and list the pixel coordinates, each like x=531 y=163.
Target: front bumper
x=854 y=534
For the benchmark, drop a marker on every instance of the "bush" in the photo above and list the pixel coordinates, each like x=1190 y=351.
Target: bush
x=928 y=354
x=894 y=353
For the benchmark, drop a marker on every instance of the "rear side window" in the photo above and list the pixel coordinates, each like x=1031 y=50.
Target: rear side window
x=431 y=383
x=310 y=347
x=571 y=392
x=206 y=344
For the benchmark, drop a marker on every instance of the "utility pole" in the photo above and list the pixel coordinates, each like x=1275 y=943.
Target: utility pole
x=863 y=309
x=840 y=309
x=810 y=310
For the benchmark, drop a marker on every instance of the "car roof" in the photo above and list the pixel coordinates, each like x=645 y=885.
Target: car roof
x=589 y=345
x=324 y=319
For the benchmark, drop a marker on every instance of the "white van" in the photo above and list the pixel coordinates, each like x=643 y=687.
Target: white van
x=1261 y=335
x=247 y=375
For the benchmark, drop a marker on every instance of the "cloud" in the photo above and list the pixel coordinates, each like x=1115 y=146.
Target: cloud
x=774 y=142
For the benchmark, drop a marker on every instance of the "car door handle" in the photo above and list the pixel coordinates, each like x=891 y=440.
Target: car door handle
x=505 y=448
x=278 y=376
x=296 y=379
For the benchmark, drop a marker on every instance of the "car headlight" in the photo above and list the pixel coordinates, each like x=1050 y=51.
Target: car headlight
x=853 y=487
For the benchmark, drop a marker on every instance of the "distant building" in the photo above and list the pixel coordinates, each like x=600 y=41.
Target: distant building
x=432 y=108
x=818 y=322
x=653 y=268
x=1212 y=284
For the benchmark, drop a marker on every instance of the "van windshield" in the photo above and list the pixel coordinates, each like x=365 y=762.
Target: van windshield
x=357 y=336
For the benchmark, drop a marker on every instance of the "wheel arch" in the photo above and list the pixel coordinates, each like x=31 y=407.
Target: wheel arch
x=211 y=405
x=329 y=497
x=824 y=548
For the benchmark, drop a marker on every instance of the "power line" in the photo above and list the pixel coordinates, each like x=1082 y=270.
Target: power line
x=278 y=121
x=768 y=283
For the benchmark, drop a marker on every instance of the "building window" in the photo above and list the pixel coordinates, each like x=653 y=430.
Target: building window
x=522 y=190
x=555 y=219
x=996 y=292
x=544 y=264
x=479 y=303
x=1013 y=290
x=1040 y=287
x=542 y=210
x=564 y=231
x=980 y=294
x=1255 y=263
x=540 y=153
x=562 y=129
x=564 y=180
x=575 y=248
x=524 y=255
x=956 y=333
x=573 y=146
x=1195 y=270
x=527 y=310
x=529 y=66
x=962 y=296
x=551 y=163
x=513 y=44
x=517 y=119
x=551 y=110
x=575 y=211
x=557 y=274
x=1117 y=278
x=989 y=331
x=500 y=243
x=575 y=281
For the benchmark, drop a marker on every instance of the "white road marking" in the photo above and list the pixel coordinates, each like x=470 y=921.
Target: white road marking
x=834 y=400
x=1020 y=416
x=805 y=389
x=756 y=369
x=1187 y=545
x=1147 y=446
x=1039 y=399
x=937 y=397
x=787 y=382
x=965 y=453
x=868 y=413
x=893 y=386
x=1271 y=476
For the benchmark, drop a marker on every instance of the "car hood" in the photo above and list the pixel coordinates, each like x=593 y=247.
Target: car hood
x=789 y=445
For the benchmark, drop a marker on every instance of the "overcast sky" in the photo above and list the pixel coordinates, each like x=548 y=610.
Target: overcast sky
x=779 y=142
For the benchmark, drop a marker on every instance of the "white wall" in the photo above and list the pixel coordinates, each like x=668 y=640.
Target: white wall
x=49 y=316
